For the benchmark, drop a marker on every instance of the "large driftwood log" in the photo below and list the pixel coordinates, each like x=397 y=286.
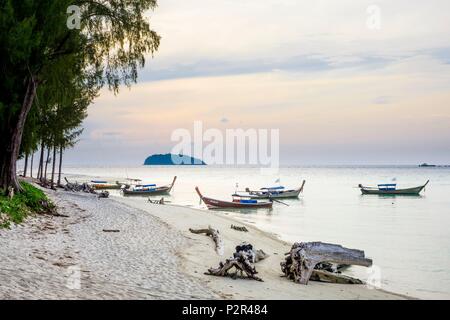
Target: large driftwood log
x=242 y=261
x=210 y=232
x=304 y=257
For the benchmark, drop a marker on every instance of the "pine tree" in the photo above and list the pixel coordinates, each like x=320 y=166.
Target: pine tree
x=37 y=46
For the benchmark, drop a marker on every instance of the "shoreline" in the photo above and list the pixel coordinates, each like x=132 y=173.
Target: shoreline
x=153 y=256
x=201 y=255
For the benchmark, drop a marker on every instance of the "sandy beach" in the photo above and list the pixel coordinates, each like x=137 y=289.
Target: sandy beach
x=40 y=258
x=152 y=256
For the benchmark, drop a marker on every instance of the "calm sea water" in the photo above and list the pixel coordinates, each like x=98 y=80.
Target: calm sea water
x=408 y=238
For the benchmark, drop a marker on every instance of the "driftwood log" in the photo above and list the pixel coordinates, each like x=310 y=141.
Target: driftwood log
x=161 y=201
x=214 y=234
x=242 y=262
x=238 y=228
x=301 y=261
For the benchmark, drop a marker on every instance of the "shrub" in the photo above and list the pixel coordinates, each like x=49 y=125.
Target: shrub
x=31 y=201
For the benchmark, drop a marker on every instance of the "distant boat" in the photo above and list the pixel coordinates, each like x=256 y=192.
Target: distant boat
x=148 y=189
x=391 y=189
x=236 y=203
x=271 y=193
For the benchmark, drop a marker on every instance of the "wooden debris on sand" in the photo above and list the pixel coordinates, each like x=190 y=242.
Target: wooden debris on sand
x=45 y=183
x=242 y=261
x=238 y=228
x=111 y=230
x=103 y=194
x=305 y=259
x=254 y=255
x=210 y=232
x=76 y=187
x=161 y=201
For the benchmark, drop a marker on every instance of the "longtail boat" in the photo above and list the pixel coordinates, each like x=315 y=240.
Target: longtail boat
x=271 y=193
x=148 y=189
x=391 y=189
x=236 y=203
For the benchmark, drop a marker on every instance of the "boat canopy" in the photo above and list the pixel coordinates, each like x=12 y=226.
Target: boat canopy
x=387 y=186
x=99 y=181
x=248 y=201
x=273 y=188
x=142 y=188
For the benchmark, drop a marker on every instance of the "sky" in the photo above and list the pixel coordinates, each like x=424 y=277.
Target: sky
x=345 y=82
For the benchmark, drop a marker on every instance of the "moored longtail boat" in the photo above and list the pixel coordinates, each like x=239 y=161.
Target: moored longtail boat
x=391 y=189
x=271 y=193
x=236 y=203
x=148 y=189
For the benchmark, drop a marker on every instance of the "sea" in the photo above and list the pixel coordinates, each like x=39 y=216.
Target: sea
x=408 y=237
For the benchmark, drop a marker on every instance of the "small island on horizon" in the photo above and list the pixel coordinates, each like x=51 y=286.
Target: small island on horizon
x=169 y=159
x=426 y=165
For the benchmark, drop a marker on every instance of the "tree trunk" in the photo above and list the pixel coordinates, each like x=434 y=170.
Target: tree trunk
x=25 y=166
x=46 y=163
x=10 y=153
x=53 y=167
x=31 y=165
x=60 y=164
x=41 y=161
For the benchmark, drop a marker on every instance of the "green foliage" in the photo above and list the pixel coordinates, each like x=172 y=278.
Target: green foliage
x=68 y=66
x=31 y=200
x=119 y=37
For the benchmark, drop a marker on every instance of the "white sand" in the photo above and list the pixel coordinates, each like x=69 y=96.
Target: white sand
x=41 y=257
x=154 y=256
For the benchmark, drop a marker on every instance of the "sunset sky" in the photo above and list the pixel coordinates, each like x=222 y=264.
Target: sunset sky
x=340 y=89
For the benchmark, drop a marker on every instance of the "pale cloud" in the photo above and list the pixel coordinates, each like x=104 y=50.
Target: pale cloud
x=337 y=90
x=207 y=36
x=326 y=109
x=382 y=100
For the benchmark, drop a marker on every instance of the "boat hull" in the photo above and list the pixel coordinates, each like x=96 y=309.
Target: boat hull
x=274 y=195
x=107 y=187
x=406 y=192
x=155 y=192
x=214 y=204
x=266 y=195
x=163 y=190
